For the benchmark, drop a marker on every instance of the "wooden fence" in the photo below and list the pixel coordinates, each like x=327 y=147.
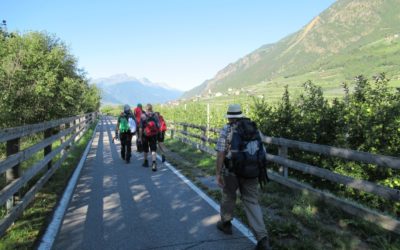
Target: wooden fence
x=67 y=130
x=206 y=140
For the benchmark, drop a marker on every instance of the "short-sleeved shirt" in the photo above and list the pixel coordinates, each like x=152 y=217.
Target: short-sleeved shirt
x=222 y=142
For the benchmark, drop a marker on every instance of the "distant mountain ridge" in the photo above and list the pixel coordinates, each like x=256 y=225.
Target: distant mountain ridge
x=349 y=38
x=124 y=89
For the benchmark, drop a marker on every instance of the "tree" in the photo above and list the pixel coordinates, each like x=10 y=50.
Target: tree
x=40 y=80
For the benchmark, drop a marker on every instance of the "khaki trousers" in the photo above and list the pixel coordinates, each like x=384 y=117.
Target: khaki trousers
x=249 y=195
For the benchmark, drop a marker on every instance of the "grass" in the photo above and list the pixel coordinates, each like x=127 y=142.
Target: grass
x=27 y=230
x=295 y=220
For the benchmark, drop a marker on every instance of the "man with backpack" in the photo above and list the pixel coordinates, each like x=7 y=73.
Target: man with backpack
x=138 y=111
x=241 y=164
x=148 y=132
x=161 y=135
x=126 y=127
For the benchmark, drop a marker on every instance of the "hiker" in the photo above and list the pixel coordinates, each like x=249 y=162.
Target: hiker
x=126 y=126
x=241 y=169
x=161 y=135
x=148 y=132
x=138 y=111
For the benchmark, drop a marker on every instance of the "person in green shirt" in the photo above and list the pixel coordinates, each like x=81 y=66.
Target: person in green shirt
x=126 y=127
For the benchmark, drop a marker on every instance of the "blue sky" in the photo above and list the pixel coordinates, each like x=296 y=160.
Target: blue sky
x=178 y=42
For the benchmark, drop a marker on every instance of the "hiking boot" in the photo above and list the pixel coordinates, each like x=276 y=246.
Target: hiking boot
x=145 y=164
x=154 y=167
x=123 y=156
x=263 y=244
x=225 y=227
x=162 y=158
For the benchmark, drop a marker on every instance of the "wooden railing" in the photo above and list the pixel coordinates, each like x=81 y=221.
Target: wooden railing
x=67 y=130
x=206 y=139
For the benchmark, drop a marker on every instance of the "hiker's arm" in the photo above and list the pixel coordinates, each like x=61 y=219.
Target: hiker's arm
x=117 y=128
x=220 y=162
x=221 y=149
x=140 y=130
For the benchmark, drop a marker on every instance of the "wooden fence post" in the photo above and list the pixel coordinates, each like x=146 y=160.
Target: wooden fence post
x=78 y=128
x=172 y=130
x=13 y=173
x=47 y=150
x=71 y=124
x=185 y=128
x=63 y=139
x=76 y=122
x=283 y=152
x=204 y=134
x=207 y=134
x=84 y=119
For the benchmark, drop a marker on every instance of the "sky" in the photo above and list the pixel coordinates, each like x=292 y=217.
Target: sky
x=178 y=42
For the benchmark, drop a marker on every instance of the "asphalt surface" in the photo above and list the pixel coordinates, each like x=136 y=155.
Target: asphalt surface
x=117 y=205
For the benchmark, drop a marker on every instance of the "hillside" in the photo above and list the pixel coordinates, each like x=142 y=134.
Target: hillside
x=349 y=38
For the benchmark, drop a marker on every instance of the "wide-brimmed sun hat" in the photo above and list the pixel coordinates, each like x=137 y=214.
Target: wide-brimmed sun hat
x=234 y=111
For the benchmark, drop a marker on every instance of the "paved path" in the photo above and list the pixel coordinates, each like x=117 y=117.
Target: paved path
x=126 y=206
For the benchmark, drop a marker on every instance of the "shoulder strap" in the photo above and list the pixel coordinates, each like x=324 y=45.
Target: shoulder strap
x=230 y=131
x=147 y=116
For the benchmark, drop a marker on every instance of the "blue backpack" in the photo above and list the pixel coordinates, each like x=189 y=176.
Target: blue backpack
x=247 y=149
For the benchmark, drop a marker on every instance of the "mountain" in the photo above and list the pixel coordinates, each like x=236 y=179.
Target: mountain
x=349 y=38
x=123 y=89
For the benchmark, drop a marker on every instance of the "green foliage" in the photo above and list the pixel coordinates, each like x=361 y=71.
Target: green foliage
x=111 y=110
x=366 y=119
x=39 y=80
x=373 y=116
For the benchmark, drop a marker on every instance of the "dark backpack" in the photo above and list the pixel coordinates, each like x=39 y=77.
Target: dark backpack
x=150 y=126
x=247 y=149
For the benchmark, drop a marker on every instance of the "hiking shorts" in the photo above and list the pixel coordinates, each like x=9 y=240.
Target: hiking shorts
x=149 y=142
x=160 y=136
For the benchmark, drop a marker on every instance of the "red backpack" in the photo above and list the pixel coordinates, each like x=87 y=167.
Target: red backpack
x=138 y=114
x=163 y=125
x=150 y=126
